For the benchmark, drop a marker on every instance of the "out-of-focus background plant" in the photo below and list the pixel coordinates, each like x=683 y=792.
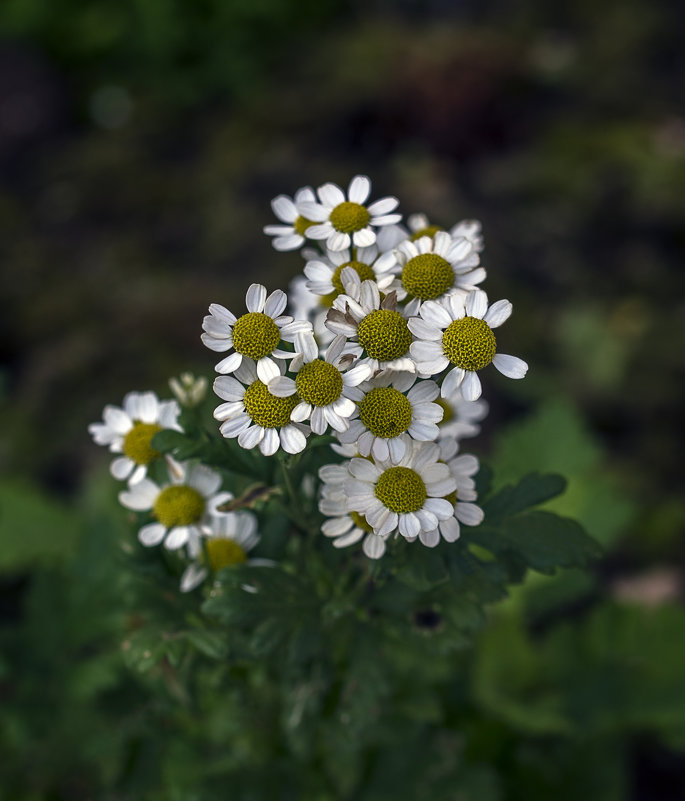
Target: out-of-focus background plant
x=140 y=144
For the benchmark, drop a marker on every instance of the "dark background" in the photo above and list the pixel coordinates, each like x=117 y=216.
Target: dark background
x=141 y=143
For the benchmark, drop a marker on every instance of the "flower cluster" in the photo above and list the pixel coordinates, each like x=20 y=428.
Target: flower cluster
x=381 y=351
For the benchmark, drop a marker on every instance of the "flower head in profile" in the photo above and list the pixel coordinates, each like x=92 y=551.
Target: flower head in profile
x=459 y=336
x=227 y=540
x=290 y=235
x=255 y=335
x=406 y=495
x=326 y=389
x=129 y=430
x=254 y=415
x=346 y=220
x=180 y=508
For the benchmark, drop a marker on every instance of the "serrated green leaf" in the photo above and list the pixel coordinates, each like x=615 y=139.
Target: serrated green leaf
x=531 y=490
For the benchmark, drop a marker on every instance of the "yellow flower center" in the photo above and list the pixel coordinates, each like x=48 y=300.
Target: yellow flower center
x=301 y=224
x=178 y=505
x=349 y=217
x=447 y=413
x=223 y=552
x=319 y=383
x=429 y=230
x=469 y=343
x=401 y=489
x=255 y=335
x=137 y=441
x=361 y=522
x=427 y=276
x=384 y=334
x=386 y=412
x=265 y=409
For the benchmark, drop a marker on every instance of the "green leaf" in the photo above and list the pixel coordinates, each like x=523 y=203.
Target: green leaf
x=531 y=490
x=176 y=443
x=423 y=569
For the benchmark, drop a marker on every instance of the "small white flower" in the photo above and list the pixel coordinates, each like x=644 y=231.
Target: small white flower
x=387 y=414
x=189 y=390
x=345 y=526
x=255 y=416
x=180 y=508
x=227 y=540
x=462 y=468
x=434 y=266
x=404 y=495
x=324 y=272
x=129 y=431
x=343 y=221
x=377 y=329
x=461 y=417
x=453 y=333
x=326 y=392
x=291 y=235
x=471 y=230
x=255 y=335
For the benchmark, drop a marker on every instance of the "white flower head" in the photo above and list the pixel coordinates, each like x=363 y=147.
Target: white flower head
x=129 y=430
x=324 y=387
x=462 y=469
x=343 y=221
x=378 y=328
x=404 y=495
x=255 y=335
x=188 y=389
x=345 y=526
x=254 y=415
x=227 y=540
x=324 y=273
x=181 y=508
x=290 y=235
x=393 y=411
x=459 y=335
x=434 y=266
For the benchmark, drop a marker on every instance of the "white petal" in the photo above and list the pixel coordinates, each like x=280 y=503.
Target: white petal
x=204 y=480
x=396 y=448
x=230 y=364
x=374 y=546
x=140 y=496
x=359 y=189
x=450 y=529
x=364 y=470
x=122 y=468
x=275 y=303
x=269 y=444
x=469 y=513
x=429 y=538
x=292 y=439
x=423 y=351
x=364 y=238
x=409 y=525
x=229 y=388
x=231 y=428
x=435 y=314
x=255 y=298
x=476 y=303
x=228 y=410
x=423 y=392
x=148 y=407
x=117 y=419
x=192 y=577
x=510 y=366
x=441 y=508
x=423 y=330
x=452 y=382
x=337 y=526
x=251 y=437
x=284 y=208
x=338 y=241
x=281 y=386
x=383 y=206
x=331 y=195
x=498 y=313
x=470 y=387
x=267 y=369
x=177 y=538
x=318 y=420
x=301 y=412
x=152 y=534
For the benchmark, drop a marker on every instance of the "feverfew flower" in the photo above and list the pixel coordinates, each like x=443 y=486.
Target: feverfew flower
x=434 y=266
x=343 y=221
x=255 y=335
x=324 y=272
x=388 y=413
x=255 y=416
x=227 y=541
x=451 y=333
x=325 y=391
x=291 y=235
x=379 y=329
x=129 y=431
x=180 y=508
x=404 y=495
x=345 y=527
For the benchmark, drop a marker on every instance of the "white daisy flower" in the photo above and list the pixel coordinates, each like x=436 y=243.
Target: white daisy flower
x=387 y=414
x=406 y=495
x=325 y=391
x=129 y=431
x=324 y=272
x=256 y=335
x=227 y=541
x=471 y=230
x=462 y=468
x=434 y=266
x=345 y=527
x=343 y=221
x=290 y=235
x=255 y=416
x=180 y=508
x=451 y=333
x=379 y=329
x=461 y=417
